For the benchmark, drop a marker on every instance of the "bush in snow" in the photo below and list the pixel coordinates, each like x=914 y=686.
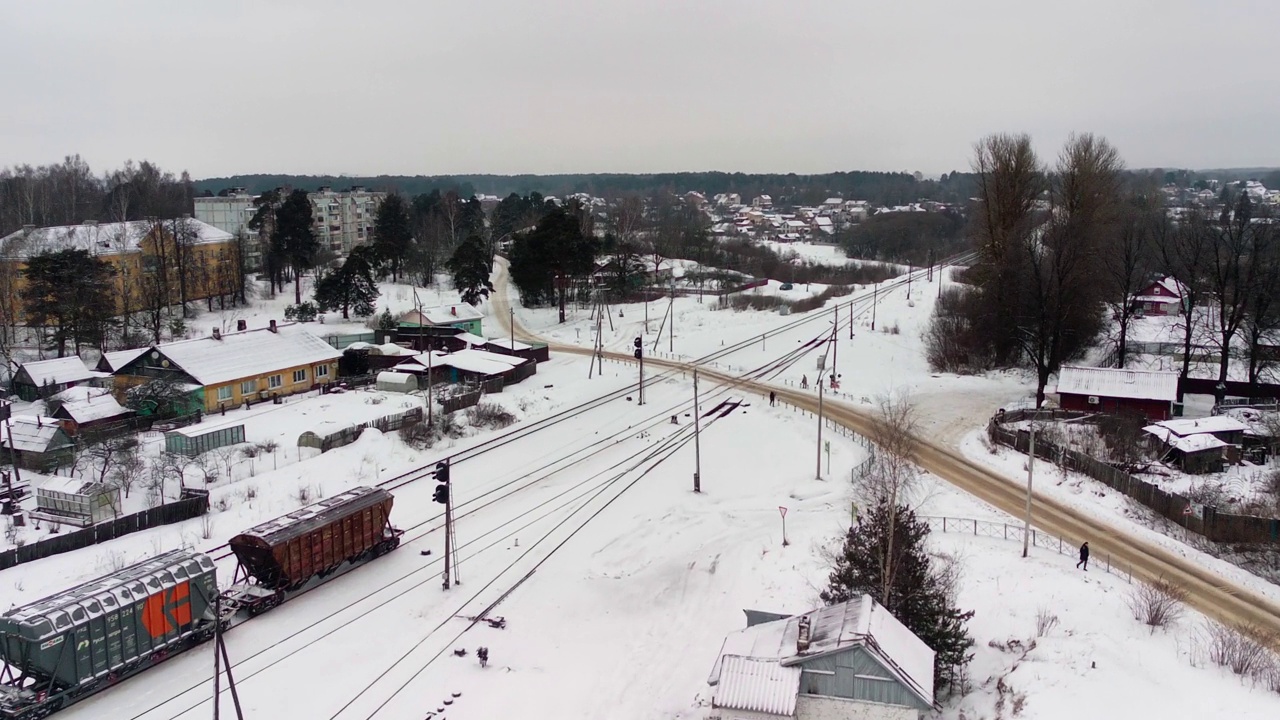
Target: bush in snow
x=1243 y=648
x=302 y=312
x=489 y=415
x=1045 y=621
x=1157 y=604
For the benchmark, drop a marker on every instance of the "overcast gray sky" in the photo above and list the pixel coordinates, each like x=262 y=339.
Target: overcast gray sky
x=505 y=86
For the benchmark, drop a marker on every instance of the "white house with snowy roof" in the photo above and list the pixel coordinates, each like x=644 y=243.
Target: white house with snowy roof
x=850 y=660
x=228 y=369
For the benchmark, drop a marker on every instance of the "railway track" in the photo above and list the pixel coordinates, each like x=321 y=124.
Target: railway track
x=1215 y=596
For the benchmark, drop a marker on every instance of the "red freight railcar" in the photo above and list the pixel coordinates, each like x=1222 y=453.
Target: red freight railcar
x=284 y=554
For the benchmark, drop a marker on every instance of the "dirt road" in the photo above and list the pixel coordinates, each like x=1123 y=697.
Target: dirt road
x=1207 y=592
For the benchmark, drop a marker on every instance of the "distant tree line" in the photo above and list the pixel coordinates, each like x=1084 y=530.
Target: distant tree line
x=915 y=238
x=1065 y=251
x=878 y=187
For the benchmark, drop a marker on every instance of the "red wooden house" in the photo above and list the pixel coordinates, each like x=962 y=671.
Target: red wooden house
x=1111 y=390
x=1161 y=298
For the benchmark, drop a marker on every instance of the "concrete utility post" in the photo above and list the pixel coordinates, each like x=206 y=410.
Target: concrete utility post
x=1031 y=462
x=697 y=445
x=639 y=344
x=822 y=363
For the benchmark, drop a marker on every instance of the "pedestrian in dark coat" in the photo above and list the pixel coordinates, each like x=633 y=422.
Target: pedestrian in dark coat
x=1084 y=557
x=773 y=397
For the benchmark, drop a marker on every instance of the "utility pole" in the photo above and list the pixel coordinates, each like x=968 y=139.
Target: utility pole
x=430 y=409
x=850 y=319
x=909 y=271
x=221 y=661
x=941 y=266
x=511 y=310
x=875 y=291
x=640 y=356
x=822 y=363
x=671 y=334
x=1031 y=462
x=835 y=341
x=697 y=445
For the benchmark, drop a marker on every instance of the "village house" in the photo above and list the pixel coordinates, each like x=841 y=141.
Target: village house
x=193 y=258
x=849 y=660
x=38 y=443
x=459 y=316
x=41 y=378
x=1109 y=390
x=1200 y=445
x=110 y=362
x=1161 y=298
x=86 y=408
x=227 y=370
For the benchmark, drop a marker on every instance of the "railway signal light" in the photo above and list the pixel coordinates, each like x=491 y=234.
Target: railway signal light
x=441 y=494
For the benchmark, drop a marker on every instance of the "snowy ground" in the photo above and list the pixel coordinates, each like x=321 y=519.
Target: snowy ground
x=822 y=253
x=618 y=583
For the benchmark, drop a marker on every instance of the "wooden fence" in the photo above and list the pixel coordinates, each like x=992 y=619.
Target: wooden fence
x=194 y=505
x=1208 y=522
x=348 y=435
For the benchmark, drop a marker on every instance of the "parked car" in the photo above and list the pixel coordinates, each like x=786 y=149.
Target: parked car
x=787 y=286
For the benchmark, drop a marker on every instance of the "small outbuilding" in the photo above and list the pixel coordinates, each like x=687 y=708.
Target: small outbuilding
x=849 y=660
x=38 y=443
x=85 y=408
x=201 y=438
x=507 y=346
x=1200 y=445
x=401 y=382
x=1109 y=390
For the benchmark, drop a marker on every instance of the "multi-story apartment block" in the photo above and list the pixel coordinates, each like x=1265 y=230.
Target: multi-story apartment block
x=341 y=220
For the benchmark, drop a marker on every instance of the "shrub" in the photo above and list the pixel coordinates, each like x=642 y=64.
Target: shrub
x=953 y=342
x=1243 y=648
x=302 y=312
x=1157 y=604
x=1045 y=621
x=489 y=415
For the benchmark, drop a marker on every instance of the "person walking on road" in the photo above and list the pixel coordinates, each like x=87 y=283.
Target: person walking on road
x=773 y=398
x=804 y=382
x=1084 y=557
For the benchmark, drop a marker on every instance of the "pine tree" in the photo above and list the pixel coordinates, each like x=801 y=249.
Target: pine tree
x=293 y=238
x=918 y=593
x=351 y=288
x=471 y=266
x=71 y=294
x=544 y=261
x=392 y=236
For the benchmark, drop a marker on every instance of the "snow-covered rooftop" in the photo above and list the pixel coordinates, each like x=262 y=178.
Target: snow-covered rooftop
x=59 y=371
x=1186 y=443
x=480 y=361
x=508 y=343
x=470 y=338
x=247 y=354
x=443 y=315
x=862 y=621
x=117 y=359
x=98 y=238
x=85 y=404
x=1196 y=426
x=1117 y=383
x=32 y=433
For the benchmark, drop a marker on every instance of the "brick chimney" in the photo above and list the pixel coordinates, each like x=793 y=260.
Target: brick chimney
x=272 y=326
x=802 y=637
x=217 y=334
x=453 y=311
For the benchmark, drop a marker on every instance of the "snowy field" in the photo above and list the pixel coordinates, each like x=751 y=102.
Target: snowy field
x=822 y=253
x=618 y=583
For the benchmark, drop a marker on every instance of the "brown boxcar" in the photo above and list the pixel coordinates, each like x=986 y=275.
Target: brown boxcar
x=283 y=554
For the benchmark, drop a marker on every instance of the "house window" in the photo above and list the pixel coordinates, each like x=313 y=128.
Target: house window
x=248 y=387
x=300 y=375
x=275 y=381
x=224 y=393
x=322 y=371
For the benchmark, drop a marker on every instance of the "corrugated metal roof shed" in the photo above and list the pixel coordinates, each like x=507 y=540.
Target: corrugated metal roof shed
x=757 y=685
x=1118 y=383
x=1196 y=426
x=33 y=434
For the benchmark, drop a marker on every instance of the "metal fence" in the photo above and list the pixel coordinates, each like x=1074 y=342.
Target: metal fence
x=1039 y=539
x=195 y=505
x=1208 y=522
